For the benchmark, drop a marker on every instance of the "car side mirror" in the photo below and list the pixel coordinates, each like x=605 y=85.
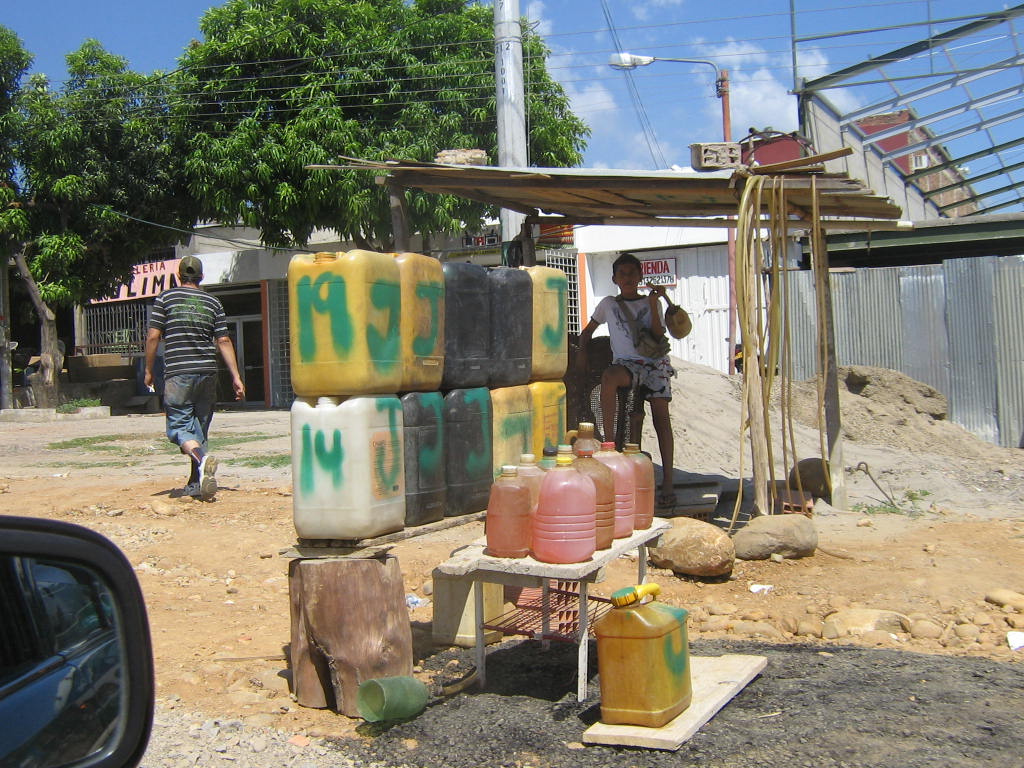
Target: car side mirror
x=76 y=659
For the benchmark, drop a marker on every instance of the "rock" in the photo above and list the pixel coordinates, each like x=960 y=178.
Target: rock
x=982 y=619
x=717 y=624
x=757 y=629
x=789 y=622
x=925 y=629
x=858 y=621
x=967 y=631
x=427 y=588
x=721 y=609
x=694 y=548
x=787 y=535
x=1015 y=621
x=1006 y=597
x=809 y=628
x=878 y=637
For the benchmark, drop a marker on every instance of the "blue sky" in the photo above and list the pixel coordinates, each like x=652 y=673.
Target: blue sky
x=750 y=38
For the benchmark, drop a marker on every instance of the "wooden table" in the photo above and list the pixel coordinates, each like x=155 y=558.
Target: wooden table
x=527 y=572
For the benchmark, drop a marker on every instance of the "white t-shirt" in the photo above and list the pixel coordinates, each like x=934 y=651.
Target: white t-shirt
x=609 y=310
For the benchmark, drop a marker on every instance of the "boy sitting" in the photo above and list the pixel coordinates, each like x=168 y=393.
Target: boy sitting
x=625 y=315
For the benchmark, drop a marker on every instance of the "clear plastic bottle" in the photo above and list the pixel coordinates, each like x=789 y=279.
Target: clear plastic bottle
x=508 y=516
x=549 y=459
x=644 y=486
x=624 y=476
x=564 y=529
x=532 y=476
x=604 y=483
x=585 y=439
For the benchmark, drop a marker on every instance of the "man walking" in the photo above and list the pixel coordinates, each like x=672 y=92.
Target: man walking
x=192 y=325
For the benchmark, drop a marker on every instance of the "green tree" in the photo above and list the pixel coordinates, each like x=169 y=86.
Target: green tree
x=93 y=162
x=280 y=84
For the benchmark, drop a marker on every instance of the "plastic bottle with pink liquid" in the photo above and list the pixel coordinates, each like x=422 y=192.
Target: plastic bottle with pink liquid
x=564 y=526
x=644 y=486
x=508 y=516
x=624 y=477
x=604 y=483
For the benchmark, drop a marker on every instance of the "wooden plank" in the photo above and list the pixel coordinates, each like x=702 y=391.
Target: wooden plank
x=372 y=547
x=715 y=680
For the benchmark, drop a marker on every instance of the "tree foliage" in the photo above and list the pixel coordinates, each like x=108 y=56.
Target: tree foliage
x=280 y=84
x=97 y=160
x=87 y=168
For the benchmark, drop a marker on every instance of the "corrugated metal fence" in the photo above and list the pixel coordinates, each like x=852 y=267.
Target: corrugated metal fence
x=958 y=326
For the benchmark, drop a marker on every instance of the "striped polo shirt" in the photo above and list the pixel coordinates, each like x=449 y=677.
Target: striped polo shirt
x=190 y=321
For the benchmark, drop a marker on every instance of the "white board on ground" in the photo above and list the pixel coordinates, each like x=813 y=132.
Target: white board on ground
x=715 y=680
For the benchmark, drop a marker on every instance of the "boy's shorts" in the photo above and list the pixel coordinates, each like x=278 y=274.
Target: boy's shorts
x=651 y=377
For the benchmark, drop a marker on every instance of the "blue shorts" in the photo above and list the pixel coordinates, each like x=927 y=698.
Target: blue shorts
x=188 y=403
x=653 y=377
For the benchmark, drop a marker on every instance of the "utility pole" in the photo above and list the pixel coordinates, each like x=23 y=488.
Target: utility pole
x=6 y=374
x=511 y=103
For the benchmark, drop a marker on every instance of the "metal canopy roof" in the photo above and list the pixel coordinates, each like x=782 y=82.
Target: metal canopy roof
x=665 y=198
x=963 y=87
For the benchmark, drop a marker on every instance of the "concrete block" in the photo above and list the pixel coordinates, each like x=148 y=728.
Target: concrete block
x=454 y=615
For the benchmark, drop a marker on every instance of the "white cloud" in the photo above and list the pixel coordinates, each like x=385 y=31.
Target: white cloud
x=812 y=63
x=642 y=10
x=759 y=100
x=535 y=13
x=592 y=101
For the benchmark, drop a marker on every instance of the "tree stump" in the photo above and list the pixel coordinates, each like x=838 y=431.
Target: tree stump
x=349 y=624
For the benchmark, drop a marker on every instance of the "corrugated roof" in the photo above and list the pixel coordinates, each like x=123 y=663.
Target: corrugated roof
x=681 y=198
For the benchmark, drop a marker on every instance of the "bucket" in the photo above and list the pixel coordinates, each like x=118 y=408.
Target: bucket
x=643 y=659
x=347 y=468
x=391 y=698
x=344 y=317
x=426 y=488
x=422 y=327
x=550 y=333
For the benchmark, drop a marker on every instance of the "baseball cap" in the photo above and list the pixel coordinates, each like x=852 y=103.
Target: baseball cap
x=190 y=267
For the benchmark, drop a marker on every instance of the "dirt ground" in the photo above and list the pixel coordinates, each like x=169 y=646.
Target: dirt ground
x=215 y=582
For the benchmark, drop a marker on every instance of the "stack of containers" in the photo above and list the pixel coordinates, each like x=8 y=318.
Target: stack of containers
x=511 y=294
x=423 y=344
x=468 y=420
x=347 y=427
x=439 y=373
x=549 y=356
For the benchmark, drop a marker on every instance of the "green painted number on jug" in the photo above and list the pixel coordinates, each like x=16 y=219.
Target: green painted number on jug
x=553 y=336
x=431 y=455
x=479 y=462
x=385 y=470
x=675 y=652
x=431 y=293
x=384 y=346
x=315 y=453
x=325 y=295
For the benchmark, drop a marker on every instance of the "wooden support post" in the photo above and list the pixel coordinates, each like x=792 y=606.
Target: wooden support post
x=349 y=624
x=399 y=216
x=833 y=420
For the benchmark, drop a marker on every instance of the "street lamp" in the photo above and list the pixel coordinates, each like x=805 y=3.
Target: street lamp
x=624 y=60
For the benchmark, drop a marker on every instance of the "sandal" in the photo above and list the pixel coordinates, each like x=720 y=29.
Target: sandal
x=665 y=499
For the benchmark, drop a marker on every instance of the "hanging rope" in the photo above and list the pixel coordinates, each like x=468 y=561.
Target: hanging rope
x=762 y=294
